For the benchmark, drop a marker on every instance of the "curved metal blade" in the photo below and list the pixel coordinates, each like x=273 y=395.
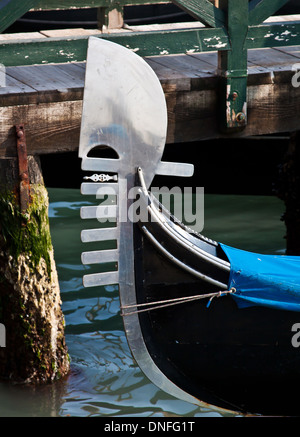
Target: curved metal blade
x=124 y=107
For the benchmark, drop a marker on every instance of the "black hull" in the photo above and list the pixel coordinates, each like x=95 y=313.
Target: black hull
x=233 y=358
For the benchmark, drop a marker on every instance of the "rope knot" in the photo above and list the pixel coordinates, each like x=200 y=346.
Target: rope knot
x=219 y=294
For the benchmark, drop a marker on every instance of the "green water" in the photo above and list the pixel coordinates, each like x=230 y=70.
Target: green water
x=104 y=379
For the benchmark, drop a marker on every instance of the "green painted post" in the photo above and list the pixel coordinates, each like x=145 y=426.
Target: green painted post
x=233 y=67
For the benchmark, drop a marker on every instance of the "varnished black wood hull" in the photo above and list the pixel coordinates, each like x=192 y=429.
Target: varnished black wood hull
x=240 y=359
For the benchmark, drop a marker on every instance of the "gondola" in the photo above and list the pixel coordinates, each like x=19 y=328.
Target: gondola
x=218 y=333
x=209 y=324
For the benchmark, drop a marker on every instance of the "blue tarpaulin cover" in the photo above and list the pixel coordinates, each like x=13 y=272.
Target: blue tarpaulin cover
x=268 y=280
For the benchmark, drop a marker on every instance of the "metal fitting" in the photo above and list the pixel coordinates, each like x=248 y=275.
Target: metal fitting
x=240 y=117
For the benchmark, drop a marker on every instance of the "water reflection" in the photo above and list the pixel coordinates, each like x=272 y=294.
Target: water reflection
x=104 y=308
x=30 y=401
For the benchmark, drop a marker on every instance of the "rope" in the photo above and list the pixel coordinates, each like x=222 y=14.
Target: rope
x=170 y=302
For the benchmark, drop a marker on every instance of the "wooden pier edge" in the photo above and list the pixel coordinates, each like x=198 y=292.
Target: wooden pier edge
x=49 y=99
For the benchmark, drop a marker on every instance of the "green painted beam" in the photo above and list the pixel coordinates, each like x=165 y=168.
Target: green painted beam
x=173 y=41
x=204 y=11
x=11 y=10
x=56 y=50
x=273 y=35
x=260 y=10
x=43 y=51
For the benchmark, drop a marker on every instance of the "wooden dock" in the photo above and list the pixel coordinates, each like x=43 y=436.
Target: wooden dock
x=48 y=98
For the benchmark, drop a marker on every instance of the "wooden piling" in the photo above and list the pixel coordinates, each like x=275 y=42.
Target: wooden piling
x=30 y=304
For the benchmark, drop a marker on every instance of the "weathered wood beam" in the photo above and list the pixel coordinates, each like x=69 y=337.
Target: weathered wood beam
x=204 y=11
x=260 y=10
x=11 y=10
x=50 y=127
x=72 y=4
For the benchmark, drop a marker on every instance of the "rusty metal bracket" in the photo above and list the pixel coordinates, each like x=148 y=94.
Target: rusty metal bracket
x=25 y=197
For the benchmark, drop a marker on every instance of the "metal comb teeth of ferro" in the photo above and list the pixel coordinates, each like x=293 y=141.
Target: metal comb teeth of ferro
x=101 y=234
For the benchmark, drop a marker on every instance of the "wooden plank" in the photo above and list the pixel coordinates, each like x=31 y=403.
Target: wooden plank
x=262 y=63
x=271 y=58
x=42 y=84
x=282 y=18
x=293 y=51
x=78 y=4
x=66 y=33
x=67 y=4
x=190 y=72
x=49 y=77
x=191 y=114
x=50 y=127
x=13 y=87
x=165 y=26
x=270 y=66
x=171 y=80
x=273 y=108
x=211 y=58
x=186 y=66
x=20 y=36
